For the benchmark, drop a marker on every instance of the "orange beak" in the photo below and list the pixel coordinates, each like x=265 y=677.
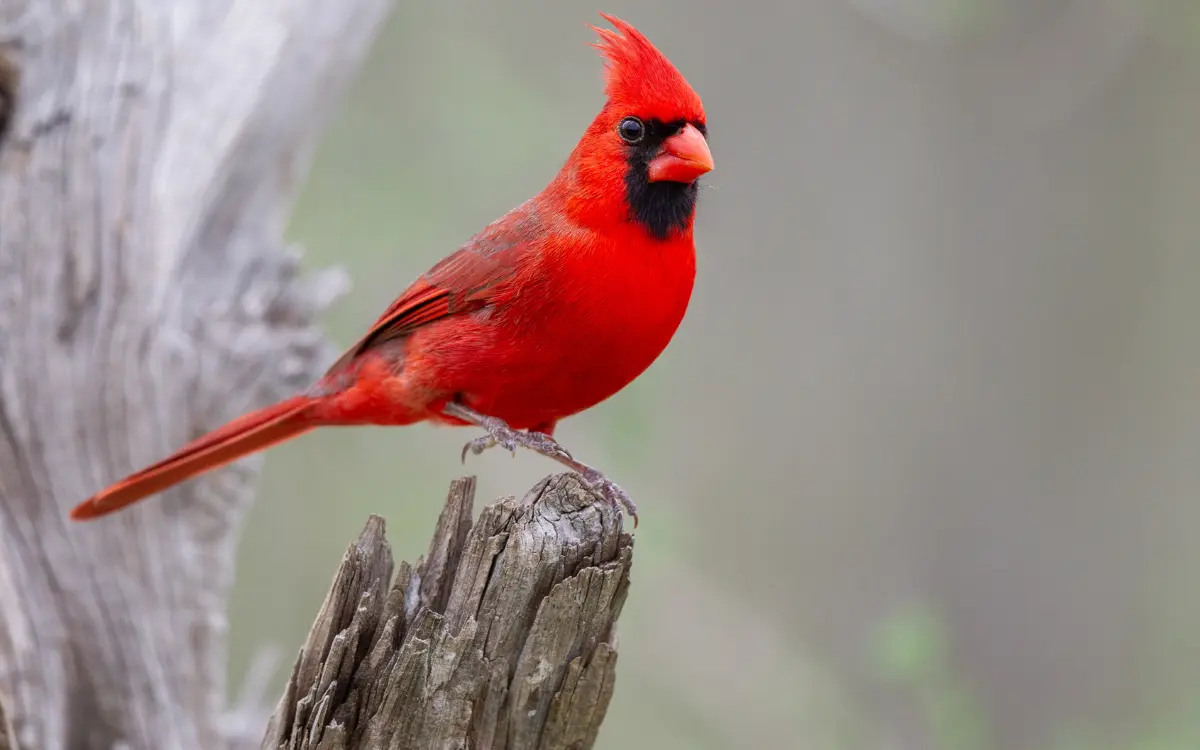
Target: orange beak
x=682 y=158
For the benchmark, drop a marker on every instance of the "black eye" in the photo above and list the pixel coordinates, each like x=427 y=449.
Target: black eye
x=632 y=130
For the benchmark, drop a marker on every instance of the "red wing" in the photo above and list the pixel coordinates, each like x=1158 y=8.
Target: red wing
x=464 y=281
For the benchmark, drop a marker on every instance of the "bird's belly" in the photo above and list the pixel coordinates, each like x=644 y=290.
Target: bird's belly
x=571 y=385
x=531 y=378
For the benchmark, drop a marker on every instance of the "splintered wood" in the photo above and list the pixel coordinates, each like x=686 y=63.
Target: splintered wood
x=502 y=636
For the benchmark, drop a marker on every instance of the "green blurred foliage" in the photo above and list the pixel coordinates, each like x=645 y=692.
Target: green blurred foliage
x=911 y=654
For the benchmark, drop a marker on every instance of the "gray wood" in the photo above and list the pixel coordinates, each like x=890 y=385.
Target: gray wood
x=7 y=740
x=146 y=296
x=503 y=636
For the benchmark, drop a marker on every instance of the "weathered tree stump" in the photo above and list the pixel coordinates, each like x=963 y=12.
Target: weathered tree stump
x=503 y=636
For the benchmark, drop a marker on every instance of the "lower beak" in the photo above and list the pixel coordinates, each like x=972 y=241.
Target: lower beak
x=682 y=158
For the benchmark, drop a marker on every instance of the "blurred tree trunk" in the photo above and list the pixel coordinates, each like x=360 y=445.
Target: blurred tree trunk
x=145 y=297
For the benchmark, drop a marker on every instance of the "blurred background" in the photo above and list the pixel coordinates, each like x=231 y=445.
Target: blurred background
x=919 y=469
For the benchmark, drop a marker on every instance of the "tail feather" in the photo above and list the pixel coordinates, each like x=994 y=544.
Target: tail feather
x=240 y=437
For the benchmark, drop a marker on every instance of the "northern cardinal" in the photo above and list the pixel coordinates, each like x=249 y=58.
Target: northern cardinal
x=549 y=310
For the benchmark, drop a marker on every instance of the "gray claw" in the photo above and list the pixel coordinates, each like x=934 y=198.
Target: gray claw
x=479 y=445
x=612 y=492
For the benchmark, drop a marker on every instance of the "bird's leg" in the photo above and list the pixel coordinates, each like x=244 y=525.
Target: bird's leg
x=499 y=433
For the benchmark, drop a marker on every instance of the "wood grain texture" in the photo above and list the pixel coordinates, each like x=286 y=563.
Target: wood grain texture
x=502 y=637
x=146 y=296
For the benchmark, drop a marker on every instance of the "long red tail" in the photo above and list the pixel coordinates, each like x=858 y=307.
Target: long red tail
x=247 y=434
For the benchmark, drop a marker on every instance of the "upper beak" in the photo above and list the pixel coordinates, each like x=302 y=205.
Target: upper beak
x=682 y=158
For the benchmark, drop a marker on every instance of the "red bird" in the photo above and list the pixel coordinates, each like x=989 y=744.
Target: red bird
x=548 y=311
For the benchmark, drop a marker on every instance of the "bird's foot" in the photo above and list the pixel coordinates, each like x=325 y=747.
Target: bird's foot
x=499 y=433
x=609 y=489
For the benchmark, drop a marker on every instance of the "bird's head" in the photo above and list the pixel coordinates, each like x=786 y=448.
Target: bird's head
x=646 y=148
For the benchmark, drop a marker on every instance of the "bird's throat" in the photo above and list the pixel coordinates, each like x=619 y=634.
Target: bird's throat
x=663 y=209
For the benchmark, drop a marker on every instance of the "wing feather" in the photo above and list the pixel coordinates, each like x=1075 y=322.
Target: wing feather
x=465 y=281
